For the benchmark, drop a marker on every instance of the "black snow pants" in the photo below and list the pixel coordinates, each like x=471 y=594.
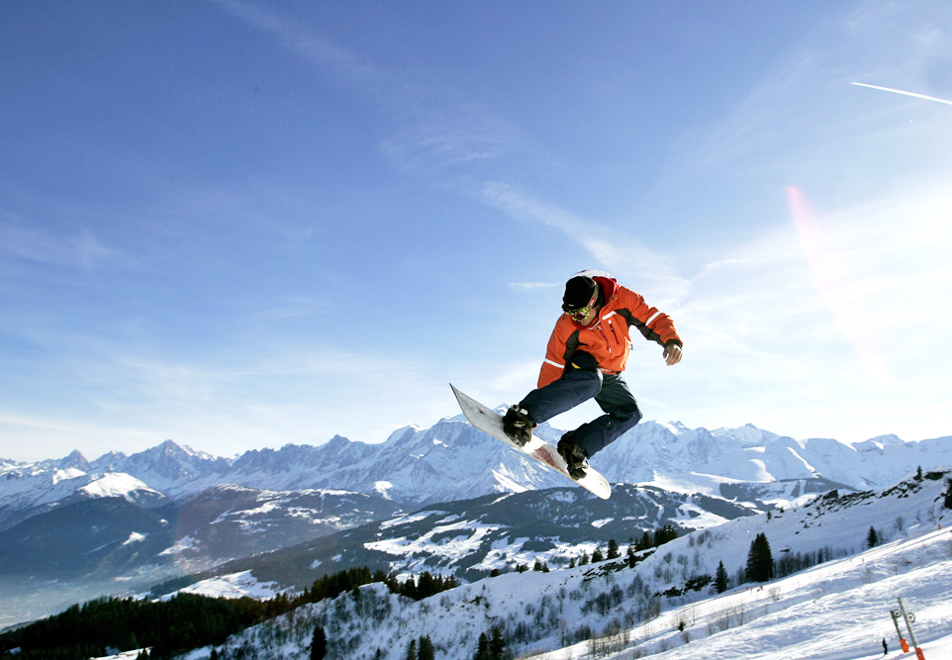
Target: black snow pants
x=575 y=387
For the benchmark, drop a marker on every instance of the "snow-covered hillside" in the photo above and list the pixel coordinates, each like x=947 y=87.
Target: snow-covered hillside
x=836 y=610
x=470 y=538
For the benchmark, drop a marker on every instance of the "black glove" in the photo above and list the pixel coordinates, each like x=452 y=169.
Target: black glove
x=584 y=361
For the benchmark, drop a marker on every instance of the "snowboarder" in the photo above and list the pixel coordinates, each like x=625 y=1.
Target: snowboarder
x=885 y=646
x=584 y=359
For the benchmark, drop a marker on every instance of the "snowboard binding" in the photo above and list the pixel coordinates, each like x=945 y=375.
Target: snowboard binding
x=576 y=460
x=518 y=425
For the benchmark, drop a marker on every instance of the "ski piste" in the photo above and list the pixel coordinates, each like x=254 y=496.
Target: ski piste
x=490 y=422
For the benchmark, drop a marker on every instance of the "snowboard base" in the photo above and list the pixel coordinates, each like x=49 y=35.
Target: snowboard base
x=489 y=421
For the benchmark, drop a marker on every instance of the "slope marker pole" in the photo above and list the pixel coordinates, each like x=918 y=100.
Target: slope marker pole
x=902 y=640
x=910 y=617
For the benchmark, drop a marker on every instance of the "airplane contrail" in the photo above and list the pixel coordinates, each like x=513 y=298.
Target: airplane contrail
x=899 y=91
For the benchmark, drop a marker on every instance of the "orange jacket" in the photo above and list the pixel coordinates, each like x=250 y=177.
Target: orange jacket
x=607 y=338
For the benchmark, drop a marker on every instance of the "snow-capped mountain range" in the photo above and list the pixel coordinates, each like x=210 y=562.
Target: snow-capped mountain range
x=453 y=461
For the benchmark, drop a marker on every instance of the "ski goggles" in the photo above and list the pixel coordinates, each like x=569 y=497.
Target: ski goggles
x=578 y=315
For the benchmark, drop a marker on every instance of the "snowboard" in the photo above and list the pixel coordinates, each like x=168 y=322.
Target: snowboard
x=489 y=421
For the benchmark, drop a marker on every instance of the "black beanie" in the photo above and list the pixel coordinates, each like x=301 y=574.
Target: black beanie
x=579 y=292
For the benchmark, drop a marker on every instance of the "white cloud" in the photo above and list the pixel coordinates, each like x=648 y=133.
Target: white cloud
x=532 y=286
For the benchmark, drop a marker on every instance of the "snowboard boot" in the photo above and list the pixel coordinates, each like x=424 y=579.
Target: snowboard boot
x=518 y=425
x=575 y=457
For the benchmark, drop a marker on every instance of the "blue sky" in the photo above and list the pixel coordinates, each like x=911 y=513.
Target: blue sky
x=245 y=224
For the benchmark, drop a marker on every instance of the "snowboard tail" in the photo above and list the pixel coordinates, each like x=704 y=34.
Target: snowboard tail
x=489 y=421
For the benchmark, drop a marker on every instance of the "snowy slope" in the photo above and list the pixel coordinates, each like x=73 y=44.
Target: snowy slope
x=837 y=610
x=122 y=485
x=233 y=585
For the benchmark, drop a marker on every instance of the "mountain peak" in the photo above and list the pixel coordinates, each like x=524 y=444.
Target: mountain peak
x=338 y=441
x=402 y=433
x=170 y=447
x=74 y=460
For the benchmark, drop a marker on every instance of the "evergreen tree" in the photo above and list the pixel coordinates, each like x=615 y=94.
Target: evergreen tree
x=584 y=559
x=630 y=555
x=720 y=578
x=318 y=644
x=572 y=562
x=482 y=648
x=597 y=555
x=872 y=538
x=495 y=573
x=665 y=534
x=425 y=649
x=411 y=650
x=129 y=642
x=613 y=552
x=497 y=644
x=759 y=560
x=645 y=543
x=948 y=495
x=538 y=565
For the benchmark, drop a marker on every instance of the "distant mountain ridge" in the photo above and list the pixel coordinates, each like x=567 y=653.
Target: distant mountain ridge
x=453 y=461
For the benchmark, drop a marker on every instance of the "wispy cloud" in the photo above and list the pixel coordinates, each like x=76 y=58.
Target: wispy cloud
x=533 y=286
x=433 y=128
x=306 y=43
x=77 y=249
x=806 y=116
x=622 y=255
x=439 y=130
